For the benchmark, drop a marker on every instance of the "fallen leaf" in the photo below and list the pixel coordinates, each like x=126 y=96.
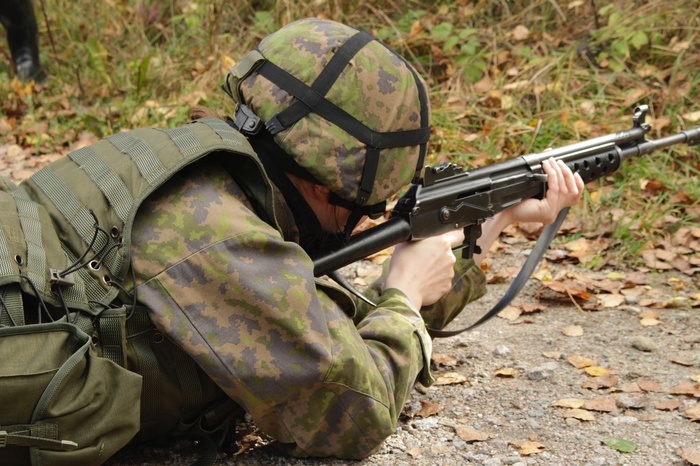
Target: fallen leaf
x=529 y=447
x=510 y=313
x=603 y=405
x=450 y=378
x=579 y=362
x=505 y=372
x=610 y=301
x=428 y=409
x=572 y=403
x=686 y=387
x=520 y=33
x=414 y=452
x=580 y=414
x=605 y=381
x=668 y=405
x=572 y=331
x=693 y=413
x=471 y=435
x=551 y=354
x=443 y=359
x=621 y=445
x=596 y=371
x=649 y=322
x=691 y=456
x=649 y=385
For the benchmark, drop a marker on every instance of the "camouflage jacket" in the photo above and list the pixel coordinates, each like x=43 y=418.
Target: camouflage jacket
x=323 y=375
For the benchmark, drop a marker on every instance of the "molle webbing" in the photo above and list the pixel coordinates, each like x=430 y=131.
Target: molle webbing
x=81 y=208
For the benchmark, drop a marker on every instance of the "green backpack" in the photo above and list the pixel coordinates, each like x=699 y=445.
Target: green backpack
x=84 y=372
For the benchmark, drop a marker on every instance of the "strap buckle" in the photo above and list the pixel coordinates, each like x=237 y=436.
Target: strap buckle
x=245 y=121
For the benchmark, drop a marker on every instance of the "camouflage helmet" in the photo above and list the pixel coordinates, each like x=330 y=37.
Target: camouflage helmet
x=342 y=105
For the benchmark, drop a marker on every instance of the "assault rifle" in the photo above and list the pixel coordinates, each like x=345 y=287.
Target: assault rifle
x=448 y=198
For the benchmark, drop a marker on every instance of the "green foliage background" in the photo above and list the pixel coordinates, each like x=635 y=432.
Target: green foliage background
x=507 y=78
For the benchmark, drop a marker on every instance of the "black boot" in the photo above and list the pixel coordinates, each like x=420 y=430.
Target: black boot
x=23 y=38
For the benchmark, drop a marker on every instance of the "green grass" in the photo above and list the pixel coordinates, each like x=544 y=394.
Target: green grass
x=506 y=78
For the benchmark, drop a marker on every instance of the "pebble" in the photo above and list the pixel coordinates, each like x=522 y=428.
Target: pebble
x=544 y=372
x=644 y=344
x=571 y=422
x=501 y=350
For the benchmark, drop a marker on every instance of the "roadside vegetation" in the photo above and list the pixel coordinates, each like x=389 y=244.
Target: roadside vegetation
x=507 y=78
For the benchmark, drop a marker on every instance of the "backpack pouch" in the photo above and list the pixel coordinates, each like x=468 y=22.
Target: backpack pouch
x=61 y=403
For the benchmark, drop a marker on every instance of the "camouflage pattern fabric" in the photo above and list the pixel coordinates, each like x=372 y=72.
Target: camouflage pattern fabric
x=323 y=378
x=378 y=89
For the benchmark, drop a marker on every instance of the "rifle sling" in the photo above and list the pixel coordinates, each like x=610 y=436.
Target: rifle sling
x=548 y=234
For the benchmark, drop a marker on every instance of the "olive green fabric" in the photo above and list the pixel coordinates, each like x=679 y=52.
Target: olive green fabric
x=60 y=399
x=79 y=210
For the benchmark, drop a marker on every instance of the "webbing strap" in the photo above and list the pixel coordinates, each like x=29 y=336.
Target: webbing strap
x=139 y=335
x=113 y=341
x=76 y=215
x=7 y=262
x=188 y=378
x=106 y=179
x=42 y=435
x=322 y=84
x=68 y=204
x=186 y=142
x=549 y=232
x=141 y=153
x=31 y=227
x=228 y=134
x=12 y=310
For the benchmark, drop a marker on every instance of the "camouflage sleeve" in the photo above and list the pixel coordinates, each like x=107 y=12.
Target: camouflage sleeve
x=244 y=303
x=468 y=285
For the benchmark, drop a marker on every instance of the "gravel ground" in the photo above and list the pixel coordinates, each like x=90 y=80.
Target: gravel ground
x=504 y=380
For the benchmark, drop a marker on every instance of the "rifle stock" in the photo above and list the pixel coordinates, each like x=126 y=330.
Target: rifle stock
x=448 y=197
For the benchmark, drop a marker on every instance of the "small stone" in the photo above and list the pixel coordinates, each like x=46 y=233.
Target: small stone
x=644 y=344
x=543 y=372
x=572 y=422
x=501 y=350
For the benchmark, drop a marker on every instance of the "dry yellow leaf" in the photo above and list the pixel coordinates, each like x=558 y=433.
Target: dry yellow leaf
x=649 y=322
x=572 y=331
x=551 y=354
x=471 y=435
x=580 y=414
x=610 y=301
x=573 y=403
x=510 y=313
x=451 y=378
x=596 y=371
x=695 y=377
x=579 y=362
x=505 y=372
x=529 y=447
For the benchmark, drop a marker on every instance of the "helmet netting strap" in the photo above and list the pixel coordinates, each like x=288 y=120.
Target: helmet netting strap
x=338 y=116
x=321 y=85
